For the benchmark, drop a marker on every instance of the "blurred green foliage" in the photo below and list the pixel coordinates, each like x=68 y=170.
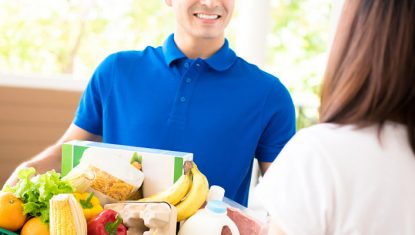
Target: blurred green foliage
x=298 y=47
x=62 y=36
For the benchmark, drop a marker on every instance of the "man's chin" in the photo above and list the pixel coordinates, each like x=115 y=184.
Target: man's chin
x=210 y=35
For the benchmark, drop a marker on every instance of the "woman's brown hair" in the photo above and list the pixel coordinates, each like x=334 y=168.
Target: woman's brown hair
x=370 y=75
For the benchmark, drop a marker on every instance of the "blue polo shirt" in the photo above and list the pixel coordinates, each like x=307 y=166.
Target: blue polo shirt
x=222 y=109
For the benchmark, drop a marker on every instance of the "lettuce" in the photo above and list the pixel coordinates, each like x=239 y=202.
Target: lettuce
x=36 y=190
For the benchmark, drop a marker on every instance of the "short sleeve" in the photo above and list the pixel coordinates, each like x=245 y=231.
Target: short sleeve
x=278 y=116
x=90 y=110
x=297 y=190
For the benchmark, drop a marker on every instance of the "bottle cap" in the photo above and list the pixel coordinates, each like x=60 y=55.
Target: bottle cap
x=216 y=193
x=216 y=206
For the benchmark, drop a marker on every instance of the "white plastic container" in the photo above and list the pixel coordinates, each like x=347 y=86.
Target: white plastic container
x=209 y=221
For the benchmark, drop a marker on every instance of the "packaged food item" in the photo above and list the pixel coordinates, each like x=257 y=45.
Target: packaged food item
x=161 y=167
x=245 y=219
x=113 y=179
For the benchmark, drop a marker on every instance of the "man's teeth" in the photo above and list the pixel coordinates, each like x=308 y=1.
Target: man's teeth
x=207 y=17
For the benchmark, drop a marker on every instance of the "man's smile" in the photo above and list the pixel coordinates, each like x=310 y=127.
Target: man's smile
x=207 y=16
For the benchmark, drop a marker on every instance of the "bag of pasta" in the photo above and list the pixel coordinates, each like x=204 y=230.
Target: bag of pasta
x=113 y=178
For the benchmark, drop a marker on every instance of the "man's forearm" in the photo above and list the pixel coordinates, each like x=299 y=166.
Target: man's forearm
x=48 y=159
x=263 y=166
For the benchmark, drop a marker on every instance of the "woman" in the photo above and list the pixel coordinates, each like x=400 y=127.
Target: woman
x=354 y=173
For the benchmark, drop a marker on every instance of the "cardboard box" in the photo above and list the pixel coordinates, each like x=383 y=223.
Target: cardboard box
x=161 y=168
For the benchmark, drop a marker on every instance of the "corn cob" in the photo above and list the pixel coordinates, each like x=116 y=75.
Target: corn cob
x=80 y=178
x=66 y=216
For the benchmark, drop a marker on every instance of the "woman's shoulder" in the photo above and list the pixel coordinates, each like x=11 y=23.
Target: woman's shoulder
x=325 y=129
x=329 y=129
x=333 y=137
x=336 y=138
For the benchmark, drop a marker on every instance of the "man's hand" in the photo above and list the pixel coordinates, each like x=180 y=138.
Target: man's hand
x=50 y=158
x=13 y=179
x=263 y=166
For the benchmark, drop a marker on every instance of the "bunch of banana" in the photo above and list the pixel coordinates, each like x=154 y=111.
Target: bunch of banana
x=195 y=197
x=188 y=193
x=175 y=193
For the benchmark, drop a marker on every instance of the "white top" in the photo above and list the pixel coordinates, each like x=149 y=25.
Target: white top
x=332 y=179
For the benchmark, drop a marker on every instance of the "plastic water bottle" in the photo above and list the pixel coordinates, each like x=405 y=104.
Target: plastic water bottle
x=209 y=221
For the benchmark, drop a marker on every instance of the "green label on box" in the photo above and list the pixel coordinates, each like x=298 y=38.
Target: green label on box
x=178 y=168
x=78 y=151
x=71 y=156
x=66 y=159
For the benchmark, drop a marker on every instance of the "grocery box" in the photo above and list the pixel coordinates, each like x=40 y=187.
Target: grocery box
x=161 y=168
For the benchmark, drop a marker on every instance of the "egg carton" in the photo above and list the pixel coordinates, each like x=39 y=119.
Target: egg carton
x=145 y=218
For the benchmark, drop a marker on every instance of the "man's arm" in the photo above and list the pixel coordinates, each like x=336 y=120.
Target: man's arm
x=263 y=166
x=50 y=158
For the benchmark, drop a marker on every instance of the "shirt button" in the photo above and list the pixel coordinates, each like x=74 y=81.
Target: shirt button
x=198 y=65
x=186 y=65
x=182 y=99
x=188 y=80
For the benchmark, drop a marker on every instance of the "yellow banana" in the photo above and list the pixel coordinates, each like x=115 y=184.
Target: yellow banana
x=196 y=196
x=175 y=193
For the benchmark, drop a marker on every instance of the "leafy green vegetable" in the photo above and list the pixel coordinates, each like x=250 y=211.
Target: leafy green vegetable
x=136 y=158
x=36 y=190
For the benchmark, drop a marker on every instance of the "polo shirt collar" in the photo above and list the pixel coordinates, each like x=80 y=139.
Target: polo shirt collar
x=220 y=61
x=171 y=51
